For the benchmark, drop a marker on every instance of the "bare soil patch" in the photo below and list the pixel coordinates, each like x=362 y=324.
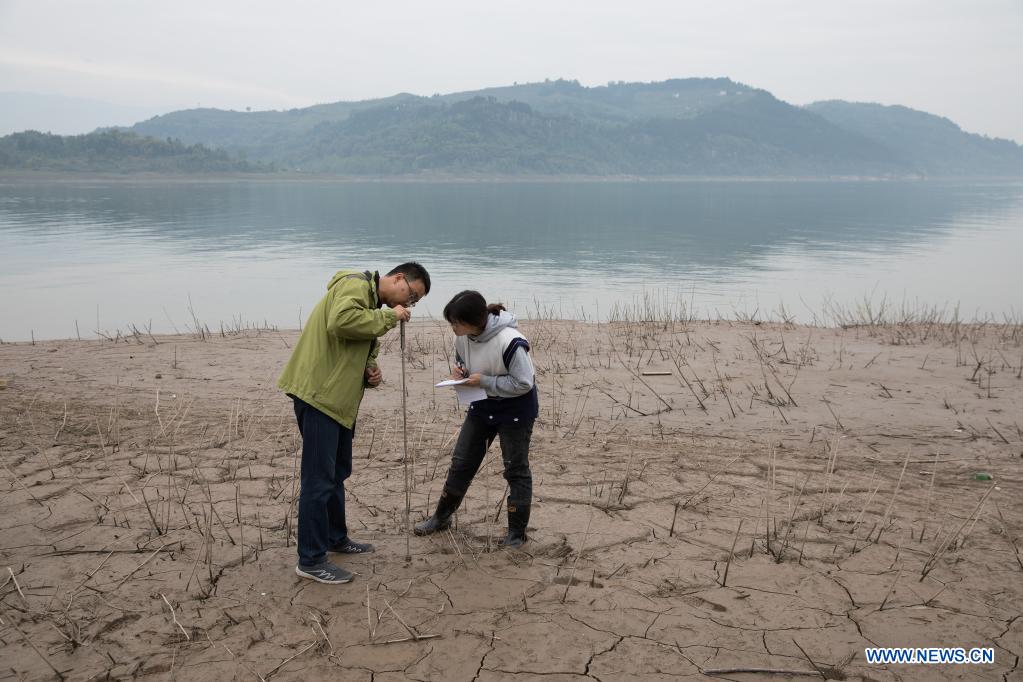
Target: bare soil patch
x=710 y=497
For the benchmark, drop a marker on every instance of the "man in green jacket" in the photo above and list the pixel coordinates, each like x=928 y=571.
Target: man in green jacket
x=333 y=361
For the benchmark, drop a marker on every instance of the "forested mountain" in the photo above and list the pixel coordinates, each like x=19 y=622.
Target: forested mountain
x=934 y=144
x=697 y=126
x=111 y=151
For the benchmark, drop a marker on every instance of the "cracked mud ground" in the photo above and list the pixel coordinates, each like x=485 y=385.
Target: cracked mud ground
x=776 y=498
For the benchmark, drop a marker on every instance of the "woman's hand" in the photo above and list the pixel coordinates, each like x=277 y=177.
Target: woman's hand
x=373 y=376
x=474 y=380
x=458 y=373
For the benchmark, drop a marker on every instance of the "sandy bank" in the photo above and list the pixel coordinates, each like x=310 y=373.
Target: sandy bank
x=147 y=513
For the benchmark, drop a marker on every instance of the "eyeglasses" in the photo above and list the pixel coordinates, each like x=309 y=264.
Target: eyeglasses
x=413 y=297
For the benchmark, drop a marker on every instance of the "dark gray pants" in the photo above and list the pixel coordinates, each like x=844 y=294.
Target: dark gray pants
x=471 y=447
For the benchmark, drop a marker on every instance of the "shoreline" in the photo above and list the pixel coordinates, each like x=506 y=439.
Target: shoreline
x=839 y=319
x=13 y=177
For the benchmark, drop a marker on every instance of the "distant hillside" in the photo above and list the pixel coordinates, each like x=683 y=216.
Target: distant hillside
x=112 y=151
x=484 y=135
x=931 y=144
x=621 y=102
x=697 y=126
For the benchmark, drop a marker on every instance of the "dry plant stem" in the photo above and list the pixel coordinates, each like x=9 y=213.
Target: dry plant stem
x=235 y=657
x=930 y=489
x=933 y=559
x=774 y=671
x=712 y=478
x=756 y=527
x=795 y=507
x=827 y=479
x=688 y=385
x=1008 y=538
x=62 y=424
x=134 y=570
x=864 y=510
x=175 y=618
x=17 y=480
x=28 y=641
x=16 y=585
x=582 y=549
x=409 y=639
x=369 y=620
x=731 y=553
x=724 y=389
x=891 y=503
x=156 y=526
x=454 y=543
x=827 y=403
x=809 y=660
x=890 y=590
x=412 y=632
x=674 y=516
x=628 y=472
x=290 y=659
x=802 y=546
x=198 y=555
x=93 y=572
x=936 y=594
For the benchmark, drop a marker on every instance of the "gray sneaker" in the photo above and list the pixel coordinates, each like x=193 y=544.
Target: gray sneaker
x=349 y=546
x=325 y=572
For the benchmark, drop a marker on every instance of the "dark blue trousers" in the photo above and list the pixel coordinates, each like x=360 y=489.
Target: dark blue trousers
x=326 y=464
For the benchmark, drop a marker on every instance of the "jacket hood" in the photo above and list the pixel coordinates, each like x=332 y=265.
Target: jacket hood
x=340 y=275
x=495 y=323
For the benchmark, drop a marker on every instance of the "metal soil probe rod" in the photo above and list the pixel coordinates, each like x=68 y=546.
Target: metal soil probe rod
x=404 y=433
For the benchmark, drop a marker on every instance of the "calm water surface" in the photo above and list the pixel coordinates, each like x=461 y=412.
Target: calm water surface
x=111 y=254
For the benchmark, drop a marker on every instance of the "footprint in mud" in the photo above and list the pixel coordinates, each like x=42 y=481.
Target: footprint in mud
x=698 y=602
x=552 y=550
x=566 y=580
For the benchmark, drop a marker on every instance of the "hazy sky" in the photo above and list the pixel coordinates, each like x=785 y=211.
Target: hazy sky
x=957 y=58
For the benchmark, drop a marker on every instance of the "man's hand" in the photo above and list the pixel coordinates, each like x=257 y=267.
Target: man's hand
x=402 y=313
x=458 y=373
x=373 y=376
x=474 y=380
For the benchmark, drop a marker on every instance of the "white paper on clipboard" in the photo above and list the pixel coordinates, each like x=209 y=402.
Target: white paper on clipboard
x=465 y=394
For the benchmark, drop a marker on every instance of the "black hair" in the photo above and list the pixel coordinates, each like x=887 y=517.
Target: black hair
x=414 y=272
x=469 y=307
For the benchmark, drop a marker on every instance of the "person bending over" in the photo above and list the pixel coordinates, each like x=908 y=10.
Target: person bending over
x=491 y=353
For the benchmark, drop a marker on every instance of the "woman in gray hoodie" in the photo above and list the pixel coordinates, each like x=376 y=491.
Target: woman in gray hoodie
x=492 y=354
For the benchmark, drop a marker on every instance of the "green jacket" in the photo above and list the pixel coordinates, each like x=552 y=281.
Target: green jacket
x=327 y=367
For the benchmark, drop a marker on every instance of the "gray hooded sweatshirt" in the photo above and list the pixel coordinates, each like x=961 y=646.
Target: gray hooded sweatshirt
x=520 y=377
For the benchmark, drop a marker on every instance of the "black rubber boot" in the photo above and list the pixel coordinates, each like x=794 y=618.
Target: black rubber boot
x=441 y=519
x=518 y=519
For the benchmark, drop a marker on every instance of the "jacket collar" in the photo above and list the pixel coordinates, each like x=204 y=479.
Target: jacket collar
x=376 y=288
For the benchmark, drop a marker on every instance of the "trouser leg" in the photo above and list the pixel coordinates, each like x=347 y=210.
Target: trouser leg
x=338 y=532
x=515 y=440
x=470 y=448
x=321 y=437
